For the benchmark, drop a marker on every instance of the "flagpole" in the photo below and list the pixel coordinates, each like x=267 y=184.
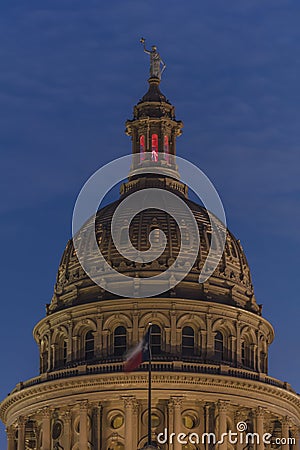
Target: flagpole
x=149 y=389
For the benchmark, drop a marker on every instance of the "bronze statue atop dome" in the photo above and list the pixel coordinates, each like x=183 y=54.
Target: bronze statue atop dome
x=157 y=66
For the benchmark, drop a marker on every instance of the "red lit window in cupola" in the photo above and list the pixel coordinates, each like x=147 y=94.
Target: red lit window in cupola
x=154 y=147
x=166 y=148
x=142 y=148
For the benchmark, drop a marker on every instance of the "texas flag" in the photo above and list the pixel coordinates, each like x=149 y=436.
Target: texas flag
x=138 y=354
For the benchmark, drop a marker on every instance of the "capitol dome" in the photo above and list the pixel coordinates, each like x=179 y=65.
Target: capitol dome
x=230 y=283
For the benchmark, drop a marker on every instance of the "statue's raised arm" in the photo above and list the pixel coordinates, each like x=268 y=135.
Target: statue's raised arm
x=157 y=66
x=142 y=41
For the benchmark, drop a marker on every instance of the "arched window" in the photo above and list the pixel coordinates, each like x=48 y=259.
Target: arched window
x=89 y=345
x=188 y=341
x=219 y=346
x=154 y=147
x=142 y=148
x=120 y=341
x=155 y=340
x=166 y=149
x=247 y=354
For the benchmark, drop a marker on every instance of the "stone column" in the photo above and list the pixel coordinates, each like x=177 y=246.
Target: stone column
x=53 y=353
x=210 y=338
x=285 y=433
x=21 y=433
x=136 y=407
x=232 y=356
x=135 y=324
x=49 y=349
x=128 y=405
x=83 y=431
x=295 y=435
x=10 y=432
x=222 y=411
x=254 y=356
x=70 y=341
x=170 y=421
x=105 y=343
x=46 y=427
x=173 y=341
x=260 y=427
x=67 y=430
x=258 y=368
x=238 y=417
x=177 y=401
x=97 y=424
x=202 y=347
x=75 y=347
x=238 y=343
x=98 y=336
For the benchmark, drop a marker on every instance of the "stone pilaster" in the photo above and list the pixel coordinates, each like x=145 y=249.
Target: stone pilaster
x=238 y=343
x=177 y=402
x=136 y=409
x=170 y=415
x=67 y=430
x=129 y=403
x=202 y=345
x=98 y=336
x=173 y=318
x=70 y=341
x=21 y=433
x=10 y=433
x=53 y=355
x=259 y=415
x=46 y=427
x=83 y=432
x=105 y=343
x=232 y=342
x=222 y=412
x=285 y=433
x=210 y=338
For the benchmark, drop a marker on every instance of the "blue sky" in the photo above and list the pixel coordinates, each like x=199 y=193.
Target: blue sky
x=71 y=72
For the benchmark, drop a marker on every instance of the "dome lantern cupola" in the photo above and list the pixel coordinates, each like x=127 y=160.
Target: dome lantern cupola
x=154 y=129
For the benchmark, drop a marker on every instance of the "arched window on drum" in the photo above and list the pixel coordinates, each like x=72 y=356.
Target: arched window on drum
x=166 y=149
x=120 y=341
x=142 y=148
x=188 y=341
x=89 y=346
x=154 y=147
x=156 y=340
x=219 y=346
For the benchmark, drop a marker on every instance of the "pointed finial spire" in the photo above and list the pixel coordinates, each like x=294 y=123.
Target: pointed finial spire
x=157 y=66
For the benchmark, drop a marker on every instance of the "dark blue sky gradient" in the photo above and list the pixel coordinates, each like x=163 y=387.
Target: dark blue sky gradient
x=71 y=72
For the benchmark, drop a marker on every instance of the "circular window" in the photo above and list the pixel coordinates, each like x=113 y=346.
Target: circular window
x=189 y=421
x=57 y=430
x=117 y=421
x=155 y=420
